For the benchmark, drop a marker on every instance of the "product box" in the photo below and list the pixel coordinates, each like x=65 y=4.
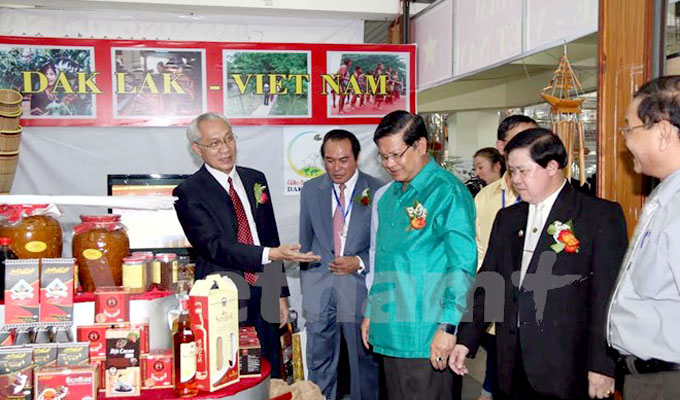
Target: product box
x=213 y=307
x=123 y=382
x=77 y=353
x=22 y=291
x=6 y=337
x=96 y=336
x=100 y=365
x=298 y=368
x=143 y=329
x=247 y=332
x=249 y=358
x=16 y=373
x=111 y=305
x=286 y=340
x=56 y=290
x=72 y=383
x=122 y=348
x=157 y=370
x=44 y=354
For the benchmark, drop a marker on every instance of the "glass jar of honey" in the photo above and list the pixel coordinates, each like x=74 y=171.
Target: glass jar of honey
x=33 y=228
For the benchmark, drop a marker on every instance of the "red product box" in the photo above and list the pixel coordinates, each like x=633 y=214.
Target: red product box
x=56 y=290
x=143 y=329
x=73 y=383
x=111 y=305
x=16 y=373
x=100 y=364
x=157 y=370
x=249 y=358
x=22 y=291
x=96 y=335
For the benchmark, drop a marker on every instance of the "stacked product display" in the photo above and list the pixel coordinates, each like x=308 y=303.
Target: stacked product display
x=111 y=355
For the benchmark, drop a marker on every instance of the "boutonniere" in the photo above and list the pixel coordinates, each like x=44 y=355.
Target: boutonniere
x=365 y=197
x=417 y=216
x=260 y=196
x=565 y=239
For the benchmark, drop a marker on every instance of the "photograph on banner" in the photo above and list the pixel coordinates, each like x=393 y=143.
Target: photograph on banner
x=267 y=84
x=366 y=84
x=302 y=156
x=158 y=82
x=56 y=82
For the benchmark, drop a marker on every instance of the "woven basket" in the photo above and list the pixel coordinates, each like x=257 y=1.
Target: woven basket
x=10 y=140
x=8 y=166
x=9 y=120
x=10 y=100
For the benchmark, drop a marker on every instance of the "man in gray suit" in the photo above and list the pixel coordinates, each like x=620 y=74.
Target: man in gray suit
x=335 y=221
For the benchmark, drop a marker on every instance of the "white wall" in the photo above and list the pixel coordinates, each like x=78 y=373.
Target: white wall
x=469 y=131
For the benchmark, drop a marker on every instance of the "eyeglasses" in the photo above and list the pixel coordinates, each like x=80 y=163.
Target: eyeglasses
x=626 y=130
x=384 y=159
x=218 y=143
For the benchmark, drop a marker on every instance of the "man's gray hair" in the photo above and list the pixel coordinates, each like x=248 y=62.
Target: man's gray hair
x=193 y=134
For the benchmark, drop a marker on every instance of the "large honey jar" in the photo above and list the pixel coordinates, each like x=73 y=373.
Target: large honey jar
x=34 y=230
x=100 y=243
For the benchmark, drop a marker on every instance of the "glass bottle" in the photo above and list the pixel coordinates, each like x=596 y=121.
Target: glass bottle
x=5 y=254
x=184 y=345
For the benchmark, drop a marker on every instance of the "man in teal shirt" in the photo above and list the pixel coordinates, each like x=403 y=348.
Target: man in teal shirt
x=425 y=263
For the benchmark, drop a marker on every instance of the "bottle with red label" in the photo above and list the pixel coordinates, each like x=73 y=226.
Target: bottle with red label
x=5 y=254
x=184 y=345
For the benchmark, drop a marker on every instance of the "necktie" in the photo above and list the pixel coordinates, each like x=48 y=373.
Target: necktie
x=243 y=234
x=533 y=236
x=339 y=222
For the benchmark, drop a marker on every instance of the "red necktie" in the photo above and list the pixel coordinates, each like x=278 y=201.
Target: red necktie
x=339 y=222
x=243 y=234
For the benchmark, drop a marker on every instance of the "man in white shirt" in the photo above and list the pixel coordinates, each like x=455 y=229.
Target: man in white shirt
x=558 y=252
x=227 y=215
x=335 y=220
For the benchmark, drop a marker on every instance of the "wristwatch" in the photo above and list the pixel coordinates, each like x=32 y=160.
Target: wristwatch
x=448 y=328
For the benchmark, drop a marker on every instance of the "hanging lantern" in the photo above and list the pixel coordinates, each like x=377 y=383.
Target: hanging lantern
x=565 y=95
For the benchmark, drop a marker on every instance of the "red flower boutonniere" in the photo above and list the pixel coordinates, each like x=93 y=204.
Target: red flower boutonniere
x=365 y=197
x=565 y=239
x=417 y=216
x=260 y=195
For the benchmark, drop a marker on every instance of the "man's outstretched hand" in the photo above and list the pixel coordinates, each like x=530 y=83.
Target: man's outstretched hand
x=291 y=252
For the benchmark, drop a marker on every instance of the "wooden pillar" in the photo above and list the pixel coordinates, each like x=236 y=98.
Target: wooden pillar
x=626 y=52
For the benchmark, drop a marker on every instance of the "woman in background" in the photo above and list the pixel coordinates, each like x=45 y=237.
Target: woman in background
x=489 y=164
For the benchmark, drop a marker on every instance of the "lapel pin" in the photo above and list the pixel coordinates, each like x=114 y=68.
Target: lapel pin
x=534 y=230
x=520 y=233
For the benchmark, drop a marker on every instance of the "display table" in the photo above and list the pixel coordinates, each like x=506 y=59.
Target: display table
x=245 y=389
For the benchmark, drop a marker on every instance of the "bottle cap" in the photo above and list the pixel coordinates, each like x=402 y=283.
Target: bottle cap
x=5 y=241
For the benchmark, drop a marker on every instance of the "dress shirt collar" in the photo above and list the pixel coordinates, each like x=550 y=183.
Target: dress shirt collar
x=549 y=201
x=668 y=188
x=422 y=178
x=349 y=185
x=223 y=178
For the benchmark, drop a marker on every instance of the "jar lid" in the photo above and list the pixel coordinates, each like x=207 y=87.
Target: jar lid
x=100 y=218
x=145 y=254
x=5 y=241
x=166 y=256
x=133 y=259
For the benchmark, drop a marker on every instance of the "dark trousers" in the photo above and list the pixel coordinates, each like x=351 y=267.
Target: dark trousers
x=491 y=377
x=659 y=386
x=267 y=332
x=414 y=378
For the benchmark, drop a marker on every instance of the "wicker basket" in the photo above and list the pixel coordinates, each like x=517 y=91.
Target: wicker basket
x=10 y=140
x=9 y=120
x=10 y=100
x=8 y=166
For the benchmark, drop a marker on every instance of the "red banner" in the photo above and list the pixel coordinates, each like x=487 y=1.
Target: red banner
x=88 y=82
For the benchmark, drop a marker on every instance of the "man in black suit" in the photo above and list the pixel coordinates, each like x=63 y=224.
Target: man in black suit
x=227 y=215
x=558 y=252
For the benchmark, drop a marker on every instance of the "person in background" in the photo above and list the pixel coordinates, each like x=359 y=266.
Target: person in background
x=643 y=322
x=424 y=263
x=335 y=221
x=226 y=213
x=489 y=164
x=496 y=195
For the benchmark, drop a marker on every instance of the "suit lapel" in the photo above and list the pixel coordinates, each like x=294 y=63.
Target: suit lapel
x=360 y=213
x=325 y=195
x=248 y=185
x=518 y=235
x=219 y=196
x=563 y=211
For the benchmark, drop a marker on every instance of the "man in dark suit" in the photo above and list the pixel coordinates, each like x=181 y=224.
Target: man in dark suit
x=335 y=222
x=227 y=215
x=558 y=252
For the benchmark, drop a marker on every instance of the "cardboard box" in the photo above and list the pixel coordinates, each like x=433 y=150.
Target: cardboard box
x=56 y=290
x=69 y=354
x=213 y=307
x=22 y=291
x=96 y=336
x=100 y=365
x=16 y=373
x=123 y=382
x=73 y=383
x=122 y=348
x=111 y=305
x=249 y=358
x=44 y=354
x=6 y=337
x=143 y=329
x=157 y=370
x=298 y=367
